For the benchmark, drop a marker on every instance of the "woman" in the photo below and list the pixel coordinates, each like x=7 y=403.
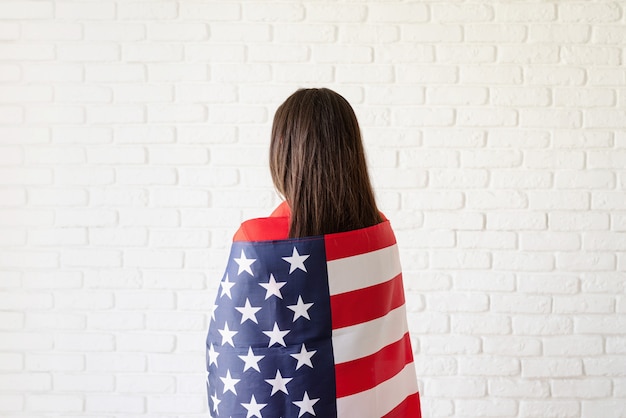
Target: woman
x=310 y=318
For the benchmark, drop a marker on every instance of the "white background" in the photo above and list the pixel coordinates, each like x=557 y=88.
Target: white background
x=134 y=139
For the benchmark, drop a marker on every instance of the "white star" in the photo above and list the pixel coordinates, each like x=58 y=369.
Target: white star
x=306 y=405
x=276 y=336
x=244 y=263
x=216 y=401
x=248 y=312
x=229 y=383
x=304 y=357
x=300 y=309
x=226 y=285
x=251 y=361
x=254 y=408
x=296 y=261
x=279 y=383
x=227 y=335
x=272 y=287
x=213 y=355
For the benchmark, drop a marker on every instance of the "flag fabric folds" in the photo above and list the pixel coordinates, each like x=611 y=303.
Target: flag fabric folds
x=312 y=326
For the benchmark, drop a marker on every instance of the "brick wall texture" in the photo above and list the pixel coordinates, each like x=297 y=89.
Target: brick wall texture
x=134 y=137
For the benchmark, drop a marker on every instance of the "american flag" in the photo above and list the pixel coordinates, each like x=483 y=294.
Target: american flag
x=312 y=327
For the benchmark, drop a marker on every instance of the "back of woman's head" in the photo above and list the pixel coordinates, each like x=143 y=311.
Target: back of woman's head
x=318 y=164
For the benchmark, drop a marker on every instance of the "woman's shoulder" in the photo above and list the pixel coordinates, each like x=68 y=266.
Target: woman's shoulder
x=273 y=227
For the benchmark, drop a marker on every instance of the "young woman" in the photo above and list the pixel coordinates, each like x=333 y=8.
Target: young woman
x=310 y=318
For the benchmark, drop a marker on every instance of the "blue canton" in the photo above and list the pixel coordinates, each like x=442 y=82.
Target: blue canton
x=269 y=351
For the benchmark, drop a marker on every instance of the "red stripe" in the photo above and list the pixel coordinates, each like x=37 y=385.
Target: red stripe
x=409 y=408
x=359 y=241
x=366 y=304
x=367 y=372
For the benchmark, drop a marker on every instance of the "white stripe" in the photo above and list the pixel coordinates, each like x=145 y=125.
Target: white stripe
x=363 y=270
x=376 y=402
x=351 y=343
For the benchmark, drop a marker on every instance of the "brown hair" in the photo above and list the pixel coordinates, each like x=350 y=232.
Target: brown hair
x=318 y=164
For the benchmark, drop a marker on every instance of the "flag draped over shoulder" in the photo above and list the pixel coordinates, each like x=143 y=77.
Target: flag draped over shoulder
x=312 y=326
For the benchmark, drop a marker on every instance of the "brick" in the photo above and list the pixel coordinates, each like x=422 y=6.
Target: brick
x=57 y=237
x=608 y=200
x=17 y=94
x=573 y=345
x=115 y=31
x=497 y=199
x=10 y=72
x=495 y=33
x=437 y=366
x=431 y=200
x=152 y=52
x=145 y=384
x=41 y=31
x=535 y=325
x=358 y=33
x=585 y=55
x=309 y=33
x=115 y=403
x=604 y=241
x=11 y=320
x=484 y=281
x=51 y=320
x=456 y=95
x=561 y=200
x=471 y=54
x=82 y=94
x=606 y=76
x=520 y=303
x=279 y=53
x=549 y=409
x=439 y=74
x=176 y=404
x=604 y=118
x=517 y=388
x=486 y=117
x=462 y=12
x=81 y=176
x=609 y=35
x=589 y=13
x=81 y=11
x=487 y=408
x=549 y=241
x=240 y=32
x=531 y=12
x=555 y=76
x=144 y=134
x=424 y=116
x=92 y=52
x=11 y=362
x=178 y=72
x=490 y=366
x=359 y=74
x=11 y=114
x=576 y=221
x=155 y=10
x=521 y=179
x=528 y=54
x=544 y=118
x=216 y=53
x=479 y=324
x=12 y=237
x=336 y=13
x=605 y=366
x=523 y=261
x=520 y=96
x=213 y=11
x=616 y=345
x=55 y=114
x=115 y=72
x=179 y=198
x=600 y=324
x=553 y=284
x=107 y=155
x=145 y=343
x=551 y=367
x=54 y=362
x=606 y=159
x=40 y=259
x=237 y=114
x=512 y=346
x=277 y=12
x=499 y=74
x=82 y=382
x=557 y=33
x=609 y=408
x=449 y=344
x=342 y=54
x=175 y=321
x=29 y=217
x=456 y=388
x=150 y=258
x=143 y=93
x=25 y=382
x=457 y=302
x=431 y=33
x=26 y=10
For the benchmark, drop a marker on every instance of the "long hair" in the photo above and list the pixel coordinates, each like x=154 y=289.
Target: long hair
x=318 y=164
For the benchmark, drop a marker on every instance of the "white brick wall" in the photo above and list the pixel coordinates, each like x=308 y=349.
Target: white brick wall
x=133 y=140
